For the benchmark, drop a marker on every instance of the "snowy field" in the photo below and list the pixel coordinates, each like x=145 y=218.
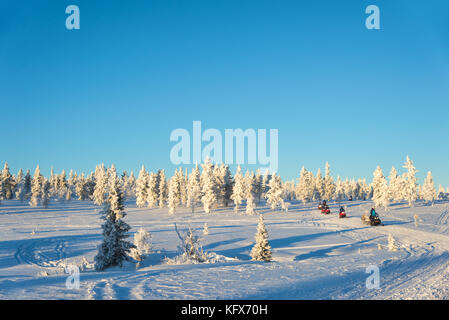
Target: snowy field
x=314 y=256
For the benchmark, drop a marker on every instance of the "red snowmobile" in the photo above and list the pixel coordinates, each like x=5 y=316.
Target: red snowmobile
x=342 y=213
x=322 y=205
x=325 y=209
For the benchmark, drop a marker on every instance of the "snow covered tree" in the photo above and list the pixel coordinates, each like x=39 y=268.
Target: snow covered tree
x=152 y=191
x=206 y=229
x=36 y=187
x=339 y=190
x=101 y=182
x=114 y=249
x=163 y=189
x=8 y=182
x=19 y=190
x=305 y=187
x=410 y=186
x=261 y=250
x=142 y=243
x=224 y=182
x=274 y=193
x=329 y=186
x=251 y=193
x=380 y=189
x=259 y=187
x=81 y=188
x=394 y=188
x=45 y=198
x=142 y=187
x=428 y=189
x=238 y=190
x=27 y=185
x=173 y=195
x=318 y=192
x=209 y=187
x=265 y=180
x=194 y=189
x=392 y=246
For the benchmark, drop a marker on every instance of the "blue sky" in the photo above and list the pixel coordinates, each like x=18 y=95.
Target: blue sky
x=114 y=90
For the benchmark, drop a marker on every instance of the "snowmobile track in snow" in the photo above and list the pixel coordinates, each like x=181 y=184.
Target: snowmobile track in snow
x=42 y=253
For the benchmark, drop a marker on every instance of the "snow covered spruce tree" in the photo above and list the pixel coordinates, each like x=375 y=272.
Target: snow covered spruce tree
x=81 y=188
x=142 y=243
x=238 y=190
x=173 y=195
x=163 y=189
x=394 y=188
x=27 y=181
x=428 y=189
x=318 y=192
x=261 y=250
x=142 y=187
x=194 y=189
x=380 y=189
x=19 y=190
x=114 y=249
x=8 y=182
x=36 y=187
x=305 y=186
x=152 y=191
x=223 y=178
x=329 y=186
x=411 y=185
x=274 y=193
x=45 y=198
x=339 y=190
x=101 y=182
x=251 y=193
x=209 y=187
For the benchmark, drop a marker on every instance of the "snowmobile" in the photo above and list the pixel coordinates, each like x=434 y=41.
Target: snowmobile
x=372 y=220
x=325 y=209
x=342 y=213
x=322 y=204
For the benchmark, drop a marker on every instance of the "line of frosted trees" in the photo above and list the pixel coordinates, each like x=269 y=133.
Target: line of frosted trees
x=214 y=186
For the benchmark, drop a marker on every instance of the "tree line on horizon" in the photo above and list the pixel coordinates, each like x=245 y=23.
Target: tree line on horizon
x=214 y=186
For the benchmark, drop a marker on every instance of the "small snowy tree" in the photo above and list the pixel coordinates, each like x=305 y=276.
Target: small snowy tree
x=251 y=193
x=428 y=189
x=209 y=187
x=36 y=187
x=142 y=243
x=8 y=182
x=114 y=249
x=163 y=189
x=173 y=195
x=391 y=243
x=190 y=247
x=410 y=186
x=142 y=187
x=152 y=191
x=101 y=181
x=194 y=189
x=274 y=193
x=45 y=198
x=380 y=189
x=238 y=190
x=261 y=250
x=329 y=186
x=206 y=229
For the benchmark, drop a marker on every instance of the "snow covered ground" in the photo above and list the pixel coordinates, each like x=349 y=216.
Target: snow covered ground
x=315 y=256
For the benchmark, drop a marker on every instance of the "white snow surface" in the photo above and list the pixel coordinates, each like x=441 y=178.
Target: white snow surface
x=315 y=256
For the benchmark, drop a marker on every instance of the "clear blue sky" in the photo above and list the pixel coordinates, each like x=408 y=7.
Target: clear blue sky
x=114 y=90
